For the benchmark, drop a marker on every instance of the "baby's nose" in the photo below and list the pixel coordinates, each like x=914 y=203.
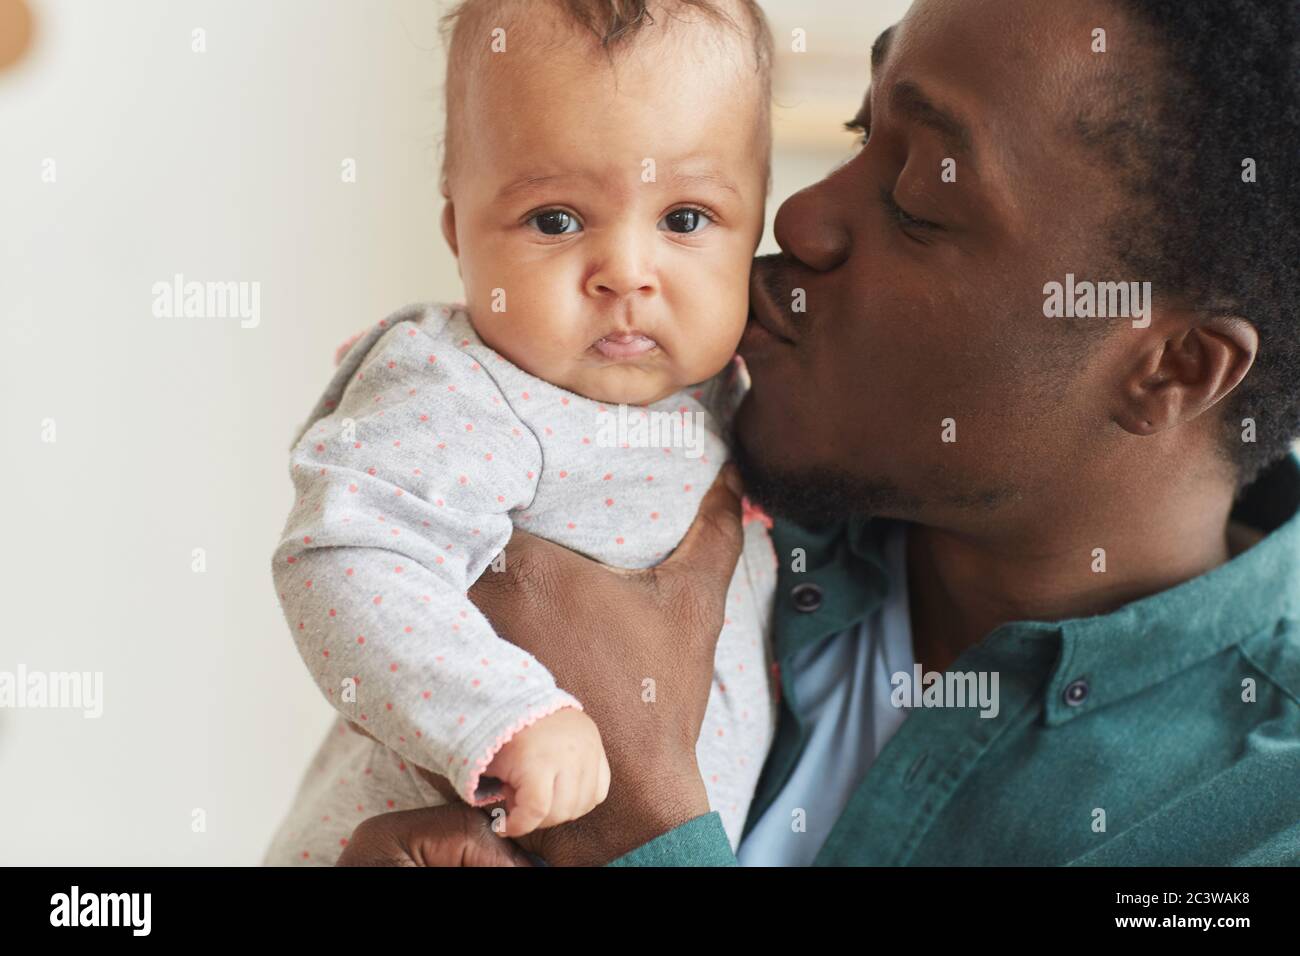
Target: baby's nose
x=623 y=270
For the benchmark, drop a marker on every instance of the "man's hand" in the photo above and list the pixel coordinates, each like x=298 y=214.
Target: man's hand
x=637 y=648
x=452 y=835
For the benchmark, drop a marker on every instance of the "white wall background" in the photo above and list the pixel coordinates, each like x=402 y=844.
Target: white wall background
x=172 y=434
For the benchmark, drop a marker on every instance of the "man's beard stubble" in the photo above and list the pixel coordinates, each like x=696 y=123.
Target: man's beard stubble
x=816 y=497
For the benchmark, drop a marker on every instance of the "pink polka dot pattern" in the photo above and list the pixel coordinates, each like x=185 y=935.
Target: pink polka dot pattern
x=424 y=453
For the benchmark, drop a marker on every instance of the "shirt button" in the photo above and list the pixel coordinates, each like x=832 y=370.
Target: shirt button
x=1076 y=693
x=807 y=598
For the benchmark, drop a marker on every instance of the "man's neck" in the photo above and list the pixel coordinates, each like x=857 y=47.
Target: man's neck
x=963 y=585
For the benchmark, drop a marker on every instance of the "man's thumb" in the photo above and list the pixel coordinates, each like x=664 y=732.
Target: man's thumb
x=711 y=547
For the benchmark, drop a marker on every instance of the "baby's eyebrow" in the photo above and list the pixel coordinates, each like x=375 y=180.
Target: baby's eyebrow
x=528 y=183
x=709 y=178
x=678 y=178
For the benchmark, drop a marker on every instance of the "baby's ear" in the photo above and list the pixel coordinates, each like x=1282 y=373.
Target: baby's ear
x=449 y=226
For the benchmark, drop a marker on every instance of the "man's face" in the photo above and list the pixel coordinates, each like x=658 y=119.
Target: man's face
x=915 y=333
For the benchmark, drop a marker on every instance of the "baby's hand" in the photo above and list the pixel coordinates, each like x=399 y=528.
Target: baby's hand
x=552 y=771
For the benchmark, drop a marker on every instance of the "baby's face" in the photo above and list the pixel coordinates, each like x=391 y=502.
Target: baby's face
x=605 y=218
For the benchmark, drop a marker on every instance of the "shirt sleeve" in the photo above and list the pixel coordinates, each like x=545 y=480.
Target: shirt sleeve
x=698 y=842
x=405 y=479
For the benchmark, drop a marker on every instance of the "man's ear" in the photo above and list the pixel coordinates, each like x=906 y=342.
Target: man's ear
x=1185 y=366
x=449 y=224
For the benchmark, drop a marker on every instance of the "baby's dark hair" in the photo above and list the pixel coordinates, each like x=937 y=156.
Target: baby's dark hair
x=614 y=21
x=612 y=25
x=1226 y=90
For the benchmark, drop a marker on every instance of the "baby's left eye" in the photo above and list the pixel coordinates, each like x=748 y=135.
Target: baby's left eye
x=686 y=220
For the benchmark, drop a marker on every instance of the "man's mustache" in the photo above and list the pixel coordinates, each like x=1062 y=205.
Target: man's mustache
x=774 y=274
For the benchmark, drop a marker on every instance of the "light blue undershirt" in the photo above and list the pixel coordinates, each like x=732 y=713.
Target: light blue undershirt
x=842 y=689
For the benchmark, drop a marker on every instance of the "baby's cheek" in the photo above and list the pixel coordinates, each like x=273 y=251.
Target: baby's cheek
x=716 y=343
x=710 y=312
x=707 y=360
x=533 y=338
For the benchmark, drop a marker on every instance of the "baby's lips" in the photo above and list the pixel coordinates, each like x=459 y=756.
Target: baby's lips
x=628 y=345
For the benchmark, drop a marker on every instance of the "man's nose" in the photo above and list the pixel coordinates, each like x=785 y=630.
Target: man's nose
x=811 y=227
x=624 y=267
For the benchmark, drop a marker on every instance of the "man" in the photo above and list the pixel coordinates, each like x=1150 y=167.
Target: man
x=1086 y=510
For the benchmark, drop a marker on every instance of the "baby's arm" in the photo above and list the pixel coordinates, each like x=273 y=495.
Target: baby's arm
x=403 y=499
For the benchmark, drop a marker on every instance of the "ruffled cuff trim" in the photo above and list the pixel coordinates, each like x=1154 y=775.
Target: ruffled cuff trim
x=491 y=792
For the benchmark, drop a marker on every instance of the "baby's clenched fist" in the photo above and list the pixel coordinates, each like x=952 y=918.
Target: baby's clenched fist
x=551 y=772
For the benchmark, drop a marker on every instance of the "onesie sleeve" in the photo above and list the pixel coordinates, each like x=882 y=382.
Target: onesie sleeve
x=405 y=477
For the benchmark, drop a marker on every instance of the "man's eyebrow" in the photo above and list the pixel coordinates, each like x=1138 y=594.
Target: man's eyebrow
x=908 y=100
x=880 y=49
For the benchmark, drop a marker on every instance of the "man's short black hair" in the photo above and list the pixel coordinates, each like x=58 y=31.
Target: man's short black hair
x=1227 y=91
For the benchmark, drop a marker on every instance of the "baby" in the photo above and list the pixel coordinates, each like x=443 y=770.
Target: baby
x=605 y=177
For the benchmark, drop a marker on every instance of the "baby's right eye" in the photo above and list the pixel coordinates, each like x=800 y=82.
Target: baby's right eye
x=555 y=222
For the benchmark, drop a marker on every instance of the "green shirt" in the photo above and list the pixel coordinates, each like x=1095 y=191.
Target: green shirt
x=1164 y=733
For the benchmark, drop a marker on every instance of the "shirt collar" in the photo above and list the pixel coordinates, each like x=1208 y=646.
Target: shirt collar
x=1112 y=656
x=847 y=567
x=1149 y=640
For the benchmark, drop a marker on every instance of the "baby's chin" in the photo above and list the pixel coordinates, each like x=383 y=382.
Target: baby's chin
x=626 y=385
x=628 y=394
